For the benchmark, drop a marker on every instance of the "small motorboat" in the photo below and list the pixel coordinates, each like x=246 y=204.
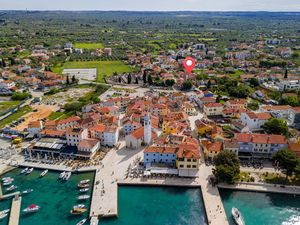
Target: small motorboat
x=4 y=211
x=237 y=216
x=84 y=181
x=79 y=206
x=84 y=189
x=43 y=173
x=62 y=175
x=78 y=211
x=81 y=222
x=67 y=176
x=31 y=208
x=2 y=216
x=11 y=188
x=29 y=171
x=27 y=191
x=83 y=197
x=83 y=185
x=24 y=170
x=7 y=178
x=7 y=183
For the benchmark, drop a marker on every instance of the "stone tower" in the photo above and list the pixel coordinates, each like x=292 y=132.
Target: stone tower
x=147 y=129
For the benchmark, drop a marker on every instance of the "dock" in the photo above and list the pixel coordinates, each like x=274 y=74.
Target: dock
x=15 y=210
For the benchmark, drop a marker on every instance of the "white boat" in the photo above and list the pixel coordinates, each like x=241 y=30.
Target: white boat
x=44 y=173
x=31 y=208
x=7 y=178
x=27 y=191
x=78 y=206
x=83 y=197
x=83 y=185
x=11 y=188
x=29 y=171
x=84 y=181
x=84 y=189
x=237 y=216
x=2 y=216
x=4 y=211
x=7 y=183
x=61 y=175
x=24 y=170
x=67 y=176
x=81 y=222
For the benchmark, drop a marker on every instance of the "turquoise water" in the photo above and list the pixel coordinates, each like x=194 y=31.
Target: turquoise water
x=262 y=208
x=55 y=198
x=158 y=206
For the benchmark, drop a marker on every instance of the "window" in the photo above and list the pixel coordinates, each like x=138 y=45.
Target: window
x=194 y=166
x=181 y=166
x=189 y=160
x=188 y=166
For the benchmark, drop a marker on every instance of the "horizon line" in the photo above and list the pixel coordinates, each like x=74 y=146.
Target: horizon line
x=160 y=11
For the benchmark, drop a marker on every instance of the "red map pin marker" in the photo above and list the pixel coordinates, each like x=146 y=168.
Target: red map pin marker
x=189 y=64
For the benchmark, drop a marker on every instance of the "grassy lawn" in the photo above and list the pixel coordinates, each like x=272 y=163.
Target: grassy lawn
x=7 y=105
x=59 y=115
x=245 y=177
x=88 y=45
x=21 y=112
x=276 y=178
x=104 y=68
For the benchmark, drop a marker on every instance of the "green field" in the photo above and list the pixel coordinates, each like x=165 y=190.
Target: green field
x=21 y=112
x=4 y=106
x=59 y=115
x=88 y=45
x=104 y=68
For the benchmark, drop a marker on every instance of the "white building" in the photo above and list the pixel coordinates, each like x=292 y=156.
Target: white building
x=68 y=123
x=254 y=121
x=110 y=136
x=289 y=85
x=75 y=135
x=35 y=127
x=88 y=147
x=7 y=84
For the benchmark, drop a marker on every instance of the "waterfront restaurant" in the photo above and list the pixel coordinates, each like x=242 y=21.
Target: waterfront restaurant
x=54 y=148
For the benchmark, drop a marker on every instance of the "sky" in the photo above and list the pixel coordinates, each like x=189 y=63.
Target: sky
x=153 y=5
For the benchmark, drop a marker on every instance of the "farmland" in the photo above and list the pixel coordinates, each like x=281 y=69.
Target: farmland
x=88 y=45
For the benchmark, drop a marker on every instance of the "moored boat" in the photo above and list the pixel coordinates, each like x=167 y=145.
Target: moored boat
x=7 y=178
x=81 y=222
x=4 y=211
x=67 y=176
x=11 y=188
x=61 y=175
x=83 y=185
x=24 y=170
x=83 y=197
x=2 y=216
x=84 y=181
x=27 y=191
x=43 y=173
x=31 y=208
x=29 y=171
x=84 y=189
x=78 y=211
x=237 y=216
x=79 y=206
x=7 y=183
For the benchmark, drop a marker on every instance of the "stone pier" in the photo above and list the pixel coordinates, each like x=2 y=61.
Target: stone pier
x=15 y=210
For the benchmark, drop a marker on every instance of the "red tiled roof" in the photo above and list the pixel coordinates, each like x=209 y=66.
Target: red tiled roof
x=69 y=120
x=87 y=143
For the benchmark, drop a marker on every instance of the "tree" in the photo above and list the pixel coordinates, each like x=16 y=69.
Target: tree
x=136 y=80
x=187 y=85
x=208 y=84
x=3 y=63
x=276 y=126
x=18 y=96
x=170 y=82
x=286 y=74
x=227 y=167
x=67 y=80
x=150 y=81
x=290 y=100
x=73 y=79
x=254 y=82
x=288 y=161
x=129 y=78
x=120 y=80
x=145 y=77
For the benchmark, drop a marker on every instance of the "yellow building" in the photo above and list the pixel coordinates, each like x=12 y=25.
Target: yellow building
x=203 y=128
x=173 y=127
x=211 y=149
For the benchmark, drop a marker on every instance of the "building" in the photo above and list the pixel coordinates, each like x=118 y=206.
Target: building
x=136 y=139
x=110 y=136
x=231 y=145
x=88 y=147
x=203 y=127
x=147 y=129
x=75 y=135
x=70 y=122
x=259 y=146
x=188 y=159
x=211 y=149
x=213 y=109
x=130 y=126
x=189 y=109
x=289 y=85
x=160 y=155
x=35 y=127
x=7 y=84
x=255 y=121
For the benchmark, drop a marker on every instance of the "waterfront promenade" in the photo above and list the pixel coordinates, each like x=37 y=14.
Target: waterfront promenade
x=15 y=210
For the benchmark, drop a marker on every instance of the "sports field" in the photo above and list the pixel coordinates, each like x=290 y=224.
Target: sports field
x=88 y=45
x=104 y=68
